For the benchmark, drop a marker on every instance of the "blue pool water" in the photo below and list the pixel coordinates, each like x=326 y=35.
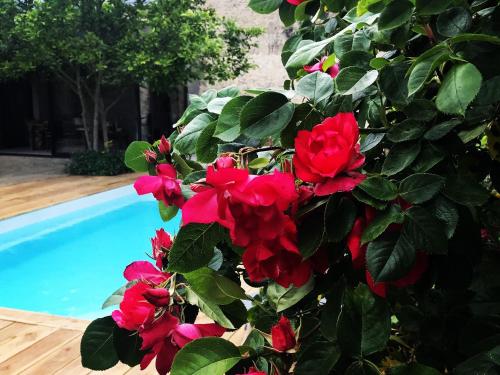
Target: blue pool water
x=69 y=258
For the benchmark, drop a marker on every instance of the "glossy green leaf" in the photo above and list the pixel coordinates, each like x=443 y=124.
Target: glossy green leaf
x=264 y=6
x=413 y=369
x=381 y=222
x=228 y=124
x=440 y=130
x=167 y=213
x=259 y=163
x=115 y=298
x=389 y=261
x=429 y=7
x=424 y=66
x=209 y=308
x=283 y=298
x=406 y=130
x=380 y=188
x=397 y=13
x=420 y=187
x=453 y=21
x=364 y=323
x=446 y=212
x=208 y=355
x=185 y=142
x=317 y=359
x=97 y=349
x=128 y=346
x=353 y=80
x=206 y=146
x=425 y=231
x=460 y=86
x=194 y=246
x=400 y=157
x=316 y=86
x=266 y=115
x=465 y=190
x=134 y=156
x=287 y=13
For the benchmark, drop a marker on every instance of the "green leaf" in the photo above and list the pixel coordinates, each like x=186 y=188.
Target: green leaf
x=134 y=156
x=413 y=369
x=490 y=92
x=206 y=145
x=317 y=359
x=97 y=349
x=264 y=6
x=421 y=110
x=283 y=298
x=371 y=141
x=194 y=246
x=465 y=190
x=467 y=37
x=115 y=298
x=423 y=67
x=167 y=213
x=216 y=105
x=446 y=211
x=429 y=156
x=128 y=346
x=453 y=21
x=181 y=165
x=407 y=130
x=429 y=7
x=331 y=311
x=258 y=163
x=185 y=142
x=368 y=199
x=364 y=323
x=316 y=86
x=393 y=82
x=209 y=308
x=380 y=188
x=228 y=124
x=362 y=367
x=400 y=157
x=287 y=13
x=378 y=63
x=381 y=222
x=440 y=130
x=360 y=59
x=459 y=88
x=353 y=80
x=208 y=355
x=300 y=13
x=266 y=115
x=468 y=135
x=339 y=218
x=307 y=52
x=395 y=14
x=420 y=187
x=425 y=231
x=209 y=285
x=389 y=261
x=229 y=91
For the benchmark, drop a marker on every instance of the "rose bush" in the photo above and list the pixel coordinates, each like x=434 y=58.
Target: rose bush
x=348 y=223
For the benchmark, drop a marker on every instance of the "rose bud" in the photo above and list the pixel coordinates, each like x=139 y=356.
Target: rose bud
x=224 y=162
x=158 y=297
x=283 y=337
x=164 y=145
x=150 y=156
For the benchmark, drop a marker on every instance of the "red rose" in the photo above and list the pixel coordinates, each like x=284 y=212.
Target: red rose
x=161 y=243
x=329 y=154
x=134 y=311
x=295 y=2
x=358 y=255
x=283 y=337
x=164 y=186
x=318 y=67
x=164 y=337
x=253 y=371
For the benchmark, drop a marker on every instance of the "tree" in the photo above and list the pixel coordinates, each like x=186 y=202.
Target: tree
x=94 y=45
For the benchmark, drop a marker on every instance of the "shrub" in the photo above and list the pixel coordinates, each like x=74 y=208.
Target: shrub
x=97 y=163
x=364 y=211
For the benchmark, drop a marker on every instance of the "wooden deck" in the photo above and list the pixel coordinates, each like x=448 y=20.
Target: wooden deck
x=40 y=344
x=23 y=197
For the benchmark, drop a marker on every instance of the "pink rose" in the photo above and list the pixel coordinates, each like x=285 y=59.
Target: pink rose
x=164 y=186
x=318 y=67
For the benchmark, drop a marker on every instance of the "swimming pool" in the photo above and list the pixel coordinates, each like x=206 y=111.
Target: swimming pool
x=67 y=259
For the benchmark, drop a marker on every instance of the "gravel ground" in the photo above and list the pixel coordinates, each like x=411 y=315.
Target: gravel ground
x=15 y=169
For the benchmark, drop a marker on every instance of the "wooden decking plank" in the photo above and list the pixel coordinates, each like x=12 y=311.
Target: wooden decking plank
x=18 y=336
x=73 y=368
x=34 y=353
x=57 y=360
x=119 y=369
x=43 y=319
x=4 y=323
x=150 y=370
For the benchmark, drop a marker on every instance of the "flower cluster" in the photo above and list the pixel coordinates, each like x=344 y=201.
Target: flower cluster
x=147 y=309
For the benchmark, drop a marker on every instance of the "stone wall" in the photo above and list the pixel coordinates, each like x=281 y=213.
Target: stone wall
x=269 y=71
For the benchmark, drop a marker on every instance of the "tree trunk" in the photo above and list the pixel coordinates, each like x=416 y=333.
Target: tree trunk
x=83 y=104
x=103 y=115
x=95 y=120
